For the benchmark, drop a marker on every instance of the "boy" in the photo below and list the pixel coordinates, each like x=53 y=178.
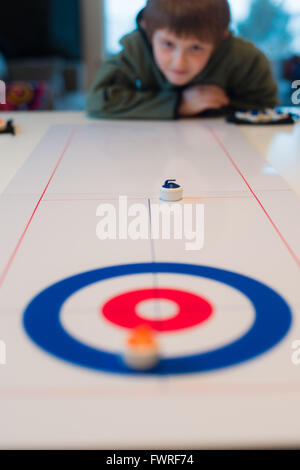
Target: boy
x=182 y=61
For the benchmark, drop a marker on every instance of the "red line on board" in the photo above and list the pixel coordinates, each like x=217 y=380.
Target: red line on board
x=13 y=255
x=98 y=200
x=204 y=388
x=291 y=251
x=142 y=199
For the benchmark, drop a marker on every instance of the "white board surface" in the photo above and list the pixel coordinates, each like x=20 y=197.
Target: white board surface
x=48 y=234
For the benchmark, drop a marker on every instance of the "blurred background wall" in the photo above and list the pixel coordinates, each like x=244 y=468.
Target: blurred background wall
x=50 y=50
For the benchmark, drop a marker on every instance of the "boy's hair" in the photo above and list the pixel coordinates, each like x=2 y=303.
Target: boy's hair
x=206 y=20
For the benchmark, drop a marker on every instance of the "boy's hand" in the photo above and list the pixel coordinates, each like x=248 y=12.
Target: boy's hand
x=198 y=98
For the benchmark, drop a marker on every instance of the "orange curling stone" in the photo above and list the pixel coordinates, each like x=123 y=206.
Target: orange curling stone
x=141 y=352
x=2 y=125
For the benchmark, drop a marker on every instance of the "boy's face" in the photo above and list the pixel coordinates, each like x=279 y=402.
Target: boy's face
x=180 y=59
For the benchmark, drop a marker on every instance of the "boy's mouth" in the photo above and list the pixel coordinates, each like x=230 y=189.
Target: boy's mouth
x=179 y=72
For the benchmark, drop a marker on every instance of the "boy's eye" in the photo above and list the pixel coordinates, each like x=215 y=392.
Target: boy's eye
x=167 y=44
x=197 y=48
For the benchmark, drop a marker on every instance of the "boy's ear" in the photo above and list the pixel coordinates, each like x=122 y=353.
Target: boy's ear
x=143 y=23
x=226 y=34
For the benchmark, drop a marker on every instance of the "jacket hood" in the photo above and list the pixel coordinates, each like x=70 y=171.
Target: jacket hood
x=139 y=19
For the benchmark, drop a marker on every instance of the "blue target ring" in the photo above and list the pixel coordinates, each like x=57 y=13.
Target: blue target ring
x=272 y=322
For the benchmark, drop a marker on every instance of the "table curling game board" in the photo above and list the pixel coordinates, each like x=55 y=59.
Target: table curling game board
x=226 y=316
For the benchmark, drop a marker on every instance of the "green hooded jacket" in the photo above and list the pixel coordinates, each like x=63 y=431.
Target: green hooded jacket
x=131 y=86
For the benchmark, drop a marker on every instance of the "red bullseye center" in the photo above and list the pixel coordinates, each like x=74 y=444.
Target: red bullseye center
x=192 y=309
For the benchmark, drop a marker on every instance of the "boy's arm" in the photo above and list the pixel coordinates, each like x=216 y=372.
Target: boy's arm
x=253 y=86
x=114 y=95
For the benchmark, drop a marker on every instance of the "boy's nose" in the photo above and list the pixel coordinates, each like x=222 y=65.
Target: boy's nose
x=179 y=59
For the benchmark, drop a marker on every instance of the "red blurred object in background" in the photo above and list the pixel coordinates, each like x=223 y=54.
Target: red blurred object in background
x=25 y=96
x=291 y=69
